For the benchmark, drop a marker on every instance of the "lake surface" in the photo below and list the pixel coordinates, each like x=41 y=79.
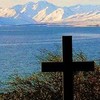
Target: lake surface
x=20 y=44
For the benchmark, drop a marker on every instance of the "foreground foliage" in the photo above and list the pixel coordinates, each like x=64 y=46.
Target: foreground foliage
x=41 y=86
x=49 y=86
x=87 y=85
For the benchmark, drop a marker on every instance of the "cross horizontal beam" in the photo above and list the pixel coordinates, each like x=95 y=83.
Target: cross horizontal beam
x=60 y=66
x=83 y=66
x=52 y=67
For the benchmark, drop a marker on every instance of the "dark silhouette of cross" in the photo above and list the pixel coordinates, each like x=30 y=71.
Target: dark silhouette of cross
x=68 y=67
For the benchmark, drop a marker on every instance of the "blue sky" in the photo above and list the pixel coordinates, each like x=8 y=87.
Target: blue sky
x=10 y=3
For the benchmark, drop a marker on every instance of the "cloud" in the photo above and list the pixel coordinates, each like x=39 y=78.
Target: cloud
x=74 y=2
x=10 y=3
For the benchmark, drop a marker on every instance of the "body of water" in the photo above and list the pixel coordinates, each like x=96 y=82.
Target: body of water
x=20 y=44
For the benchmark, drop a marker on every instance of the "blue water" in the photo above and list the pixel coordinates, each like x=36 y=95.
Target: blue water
x=20 y=44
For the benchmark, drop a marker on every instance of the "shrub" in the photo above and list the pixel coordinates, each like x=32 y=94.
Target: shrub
x=49 y=86
x=41 y=86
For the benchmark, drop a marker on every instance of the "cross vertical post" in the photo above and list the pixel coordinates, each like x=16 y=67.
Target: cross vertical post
x=67 y=60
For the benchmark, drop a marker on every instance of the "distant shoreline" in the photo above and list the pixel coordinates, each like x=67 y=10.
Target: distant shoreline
x=49 y=24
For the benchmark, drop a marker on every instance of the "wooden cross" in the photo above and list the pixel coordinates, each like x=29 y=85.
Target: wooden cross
x=68 y=67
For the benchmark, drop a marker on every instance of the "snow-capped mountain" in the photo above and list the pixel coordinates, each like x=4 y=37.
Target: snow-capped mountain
x=40 y=16
x=54 y=17
x=7 y=12
x=44 y=12
x=84 y=19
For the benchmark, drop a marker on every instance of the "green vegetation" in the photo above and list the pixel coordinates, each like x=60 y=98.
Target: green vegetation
x=49 y=86
x=41 y=86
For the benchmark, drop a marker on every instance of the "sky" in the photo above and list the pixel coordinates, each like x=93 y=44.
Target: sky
x=10 y=3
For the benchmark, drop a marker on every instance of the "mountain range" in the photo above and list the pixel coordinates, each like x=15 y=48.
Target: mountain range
x=43 y=12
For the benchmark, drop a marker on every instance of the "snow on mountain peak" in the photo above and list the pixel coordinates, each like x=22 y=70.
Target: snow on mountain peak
x=35 y=6
x=23 y=10
x=55 y=16
x=85 y=16
x=41 y=15
x=16 y=16
x=77 y=7
x=6 y=12
x=84 y=19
